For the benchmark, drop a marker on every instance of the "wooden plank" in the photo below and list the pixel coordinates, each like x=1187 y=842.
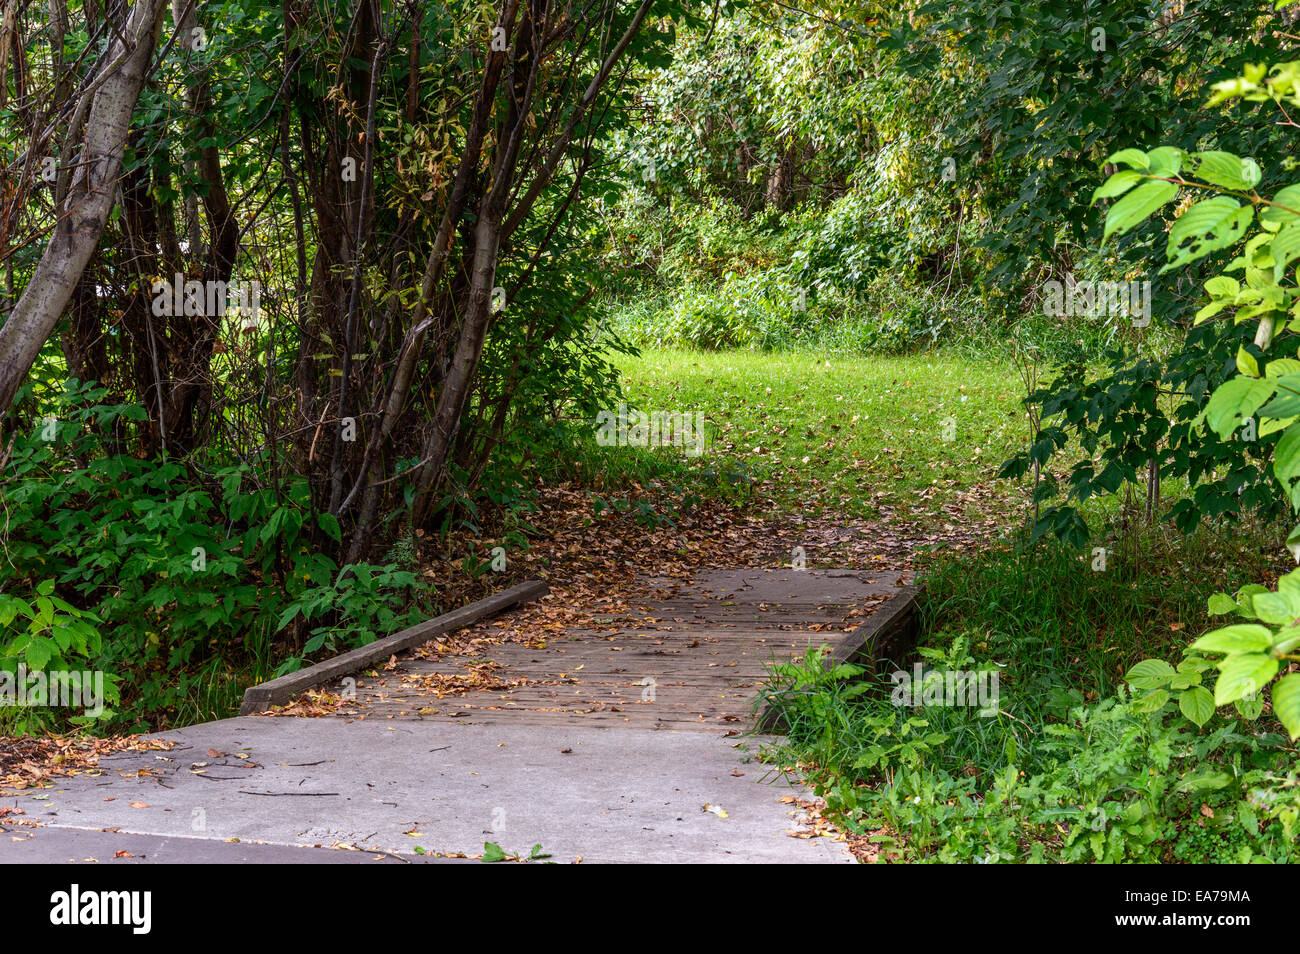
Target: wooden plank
x=279 y=691
x=888 y=633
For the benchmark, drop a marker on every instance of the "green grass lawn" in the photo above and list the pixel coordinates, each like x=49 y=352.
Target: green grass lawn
x=843 y=434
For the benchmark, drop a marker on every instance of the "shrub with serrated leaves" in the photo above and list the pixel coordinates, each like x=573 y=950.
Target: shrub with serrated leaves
x=1264 y=232
x=185 y=573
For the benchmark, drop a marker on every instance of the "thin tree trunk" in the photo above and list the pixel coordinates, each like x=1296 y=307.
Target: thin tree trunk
x=84 y=213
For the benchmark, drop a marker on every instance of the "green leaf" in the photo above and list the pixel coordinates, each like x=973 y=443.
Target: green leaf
x=1222 y=286
x=1150 y=674
x=1137 y=206
x=38 y=653
x=1238 y=638
x=492 y=852
x=1206 y=227
x=1285 y=249
x=1164 y=161
x=1287 y=402
x=1196 y=704
x=1293 y=542
x=1204 y=779
x=293 y=610
x=1288 y=197
x=1243 y=674
x=330 y=524
x=1221 y=603
x=1246 y=362
x=1281 y=368
x=1226 y=170
x=1150 y=702
x=1117 y=184
x=1286 y=460
x=1277 y=608
x=1249 y=708
x=1133 y=158
x=1286 y=703
x=1234 y=401
x=1285 y=640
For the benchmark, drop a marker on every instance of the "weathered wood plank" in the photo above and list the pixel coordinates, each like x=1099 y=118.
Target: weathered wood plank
x=279 y=691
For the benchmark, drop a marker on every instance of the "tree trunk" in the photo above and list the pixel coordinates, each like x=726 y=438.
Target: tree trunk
x=89 y=200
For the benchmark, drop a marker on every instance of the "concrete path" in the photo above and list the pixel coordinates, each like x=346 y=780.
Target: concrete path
x=598 y=795
x=569 y=750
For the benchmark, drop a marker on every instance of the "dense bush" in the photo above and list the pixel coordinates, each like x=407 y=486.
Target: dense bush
x=172 y=580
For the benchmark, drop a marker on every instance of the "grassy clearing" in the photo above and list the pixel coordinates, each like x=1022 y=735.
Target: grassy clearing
x=842 y=434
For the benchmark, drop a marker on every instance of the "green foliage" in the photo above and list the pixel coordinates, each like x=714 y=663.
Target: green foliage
x=53 y=637
x=1069 y=770
x=361 y=604
x=171 y=578
x=1266 y=385
x=1253 y=653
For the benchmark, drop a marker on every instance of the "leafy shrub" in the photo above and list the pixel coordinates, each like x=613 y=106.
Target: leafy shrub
x=186 y=575
x=1114 y=781
x=49 y=637
x=361 y=604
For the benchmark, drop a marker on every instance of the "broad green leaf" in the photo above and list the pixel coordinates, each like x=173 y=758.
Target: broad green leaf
x=1285 y=641
x=38 y=653
x=1286 y=458
x=330 y=524
x=1234 y=401
x=1289 y=582
x=1246 y=598
x=1221 y=286
x=1197 y=704
x=1223 y=292
x=1150 y=674
x=1281 y=367
x=1277 y=608
x=1250 y=708
x=1226 y=170
x=1238 y=638
x=1285 y=249
x=1273 y=425
x=1165 y=161
x=1133 y=158
x=1206 y=227
x=1286 y=703
x=1243 y=674
x=1221 y=603
x=1287 y=402
x=1288 y=199
x=1204 y=779
x=1195 y=664
x=1293 y=543
x=1150 y=701
x=1137 y=206
x=1117 y=184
